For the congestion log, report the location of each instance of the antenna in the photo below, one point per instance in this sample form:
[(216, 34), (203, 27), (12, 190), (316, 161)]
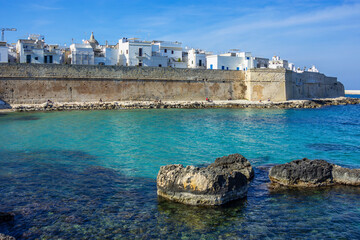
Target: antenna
[(3, 32)]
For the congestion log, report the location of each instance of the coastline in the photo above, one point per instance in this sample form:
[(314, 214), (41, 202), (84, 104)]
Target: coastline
[(118, 105)]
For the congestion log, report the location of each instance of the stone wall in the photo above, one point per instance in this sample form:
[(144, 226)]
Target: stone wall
[(31, 83), (281, 85), (36, 83), (264, 84)]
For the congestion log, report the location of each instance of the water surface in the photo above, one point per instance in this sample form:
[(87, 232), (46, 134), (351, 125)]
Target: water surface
[(91, 174)]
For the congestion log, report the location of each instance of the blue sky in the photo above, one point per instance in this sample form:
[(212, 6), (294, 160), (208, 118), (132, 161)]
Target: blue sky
[(324, 33)]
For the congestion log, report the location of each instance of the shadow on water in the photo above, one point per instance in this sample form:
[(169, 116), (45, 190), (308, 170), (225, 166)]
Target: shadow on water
[(205, 219)]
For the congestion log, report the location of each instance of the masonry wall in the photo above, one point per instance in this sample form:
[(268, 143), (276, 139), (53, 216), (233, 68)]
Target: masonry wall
[(312, 85), (264, 84), (34, 83)]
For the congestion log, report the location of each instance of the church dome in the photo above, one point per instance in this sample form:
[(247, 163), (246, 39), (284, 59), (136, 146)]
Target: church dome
[(92, 40)]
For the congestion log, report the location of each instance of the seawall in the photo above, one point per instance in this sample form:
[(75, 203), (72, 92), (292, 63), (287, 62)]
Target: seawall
[(36, 83)]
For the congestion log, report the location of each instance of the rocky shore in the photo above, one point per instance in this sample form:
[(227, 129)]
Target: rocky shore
[(59, 106)]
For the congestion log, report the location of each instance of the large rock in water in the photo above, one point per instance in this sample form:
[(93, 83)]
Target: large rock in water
[(219, 183), (313, 173)]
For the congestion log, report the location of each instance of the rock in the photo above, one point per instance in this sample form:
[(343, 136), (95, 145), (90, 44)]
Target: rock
[(216, 184), (6, 217), (234, 162), (6, 237), (346, 176), (313, 173), (304, 172)]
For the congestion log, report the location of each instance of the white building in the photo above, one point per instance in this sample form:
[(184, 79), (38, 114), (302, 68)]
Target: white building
[(133, 52), (34, 50), (3, 53), (313, 69), (81, 54), (231, 61), (196, 58), (276, 62), (172, 51), (90, 52)]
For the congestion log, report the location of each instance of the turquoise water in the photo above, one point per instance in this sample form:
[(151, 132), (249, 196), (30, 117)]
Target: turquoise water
[(92, 174)]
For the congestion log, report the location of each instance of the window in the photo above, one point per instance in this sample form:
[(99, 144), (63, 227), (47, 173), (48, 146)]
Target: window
[(238, 68), (248, 58), (172, 51), (165, 50), (121, 52), (192, 62), (127, 51), (227, 68), (140, 52), (36, 58), (223, 68), (159, 65)]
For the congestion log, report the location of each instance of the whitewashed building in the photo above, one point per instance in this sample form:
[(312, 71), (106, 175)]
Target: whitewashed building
[(231, 61), (134, 52), (172, 51), (34, 50), (81, 54), (3, 52), (90, 52), (196, 58)]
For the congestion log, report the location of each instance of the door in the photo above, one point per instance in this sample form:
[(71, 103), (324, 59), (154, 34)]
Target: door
[(140, 52), (200, 63), (28, 58)]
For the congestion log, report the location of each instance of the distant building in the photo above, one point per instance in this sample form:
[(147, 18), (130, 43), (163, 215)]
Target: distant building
[(276, 62), (231, 61), (4, 58), (262, 62), (313, 69), (34, 50), (90, 52), (81, 54), (133, 52), (196, 58)]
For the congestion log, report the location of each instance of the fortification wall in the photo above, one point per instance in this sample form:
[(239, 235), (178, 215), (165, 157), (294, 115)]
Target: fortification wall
[(264, 84), (312, 85), (34, 83), (281, 85)]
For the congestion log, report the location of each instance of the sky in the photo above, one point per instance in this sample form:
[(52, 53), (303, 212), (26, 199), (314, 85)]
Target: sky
[(321, 33)]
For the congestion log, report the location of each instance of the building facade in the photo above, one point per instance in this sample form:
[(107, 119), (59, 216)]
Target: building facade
[(4, 58), (231, 61), (35, 50)]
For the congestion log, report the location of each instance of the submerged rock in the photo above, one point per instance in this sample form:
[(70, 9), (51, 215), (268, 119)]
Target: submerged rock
[(216, 184), (6, 217), (6, 237), (313, 173)]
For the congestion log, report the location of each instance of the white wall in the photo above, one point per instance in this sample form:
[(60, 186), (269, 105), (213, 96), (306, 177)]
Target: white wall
[(82, 54), (194, 59), (4, 54)]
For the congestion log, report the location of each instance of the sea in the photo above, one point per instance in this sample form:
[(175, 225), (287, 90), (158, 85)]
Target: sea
[(92, 174)]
